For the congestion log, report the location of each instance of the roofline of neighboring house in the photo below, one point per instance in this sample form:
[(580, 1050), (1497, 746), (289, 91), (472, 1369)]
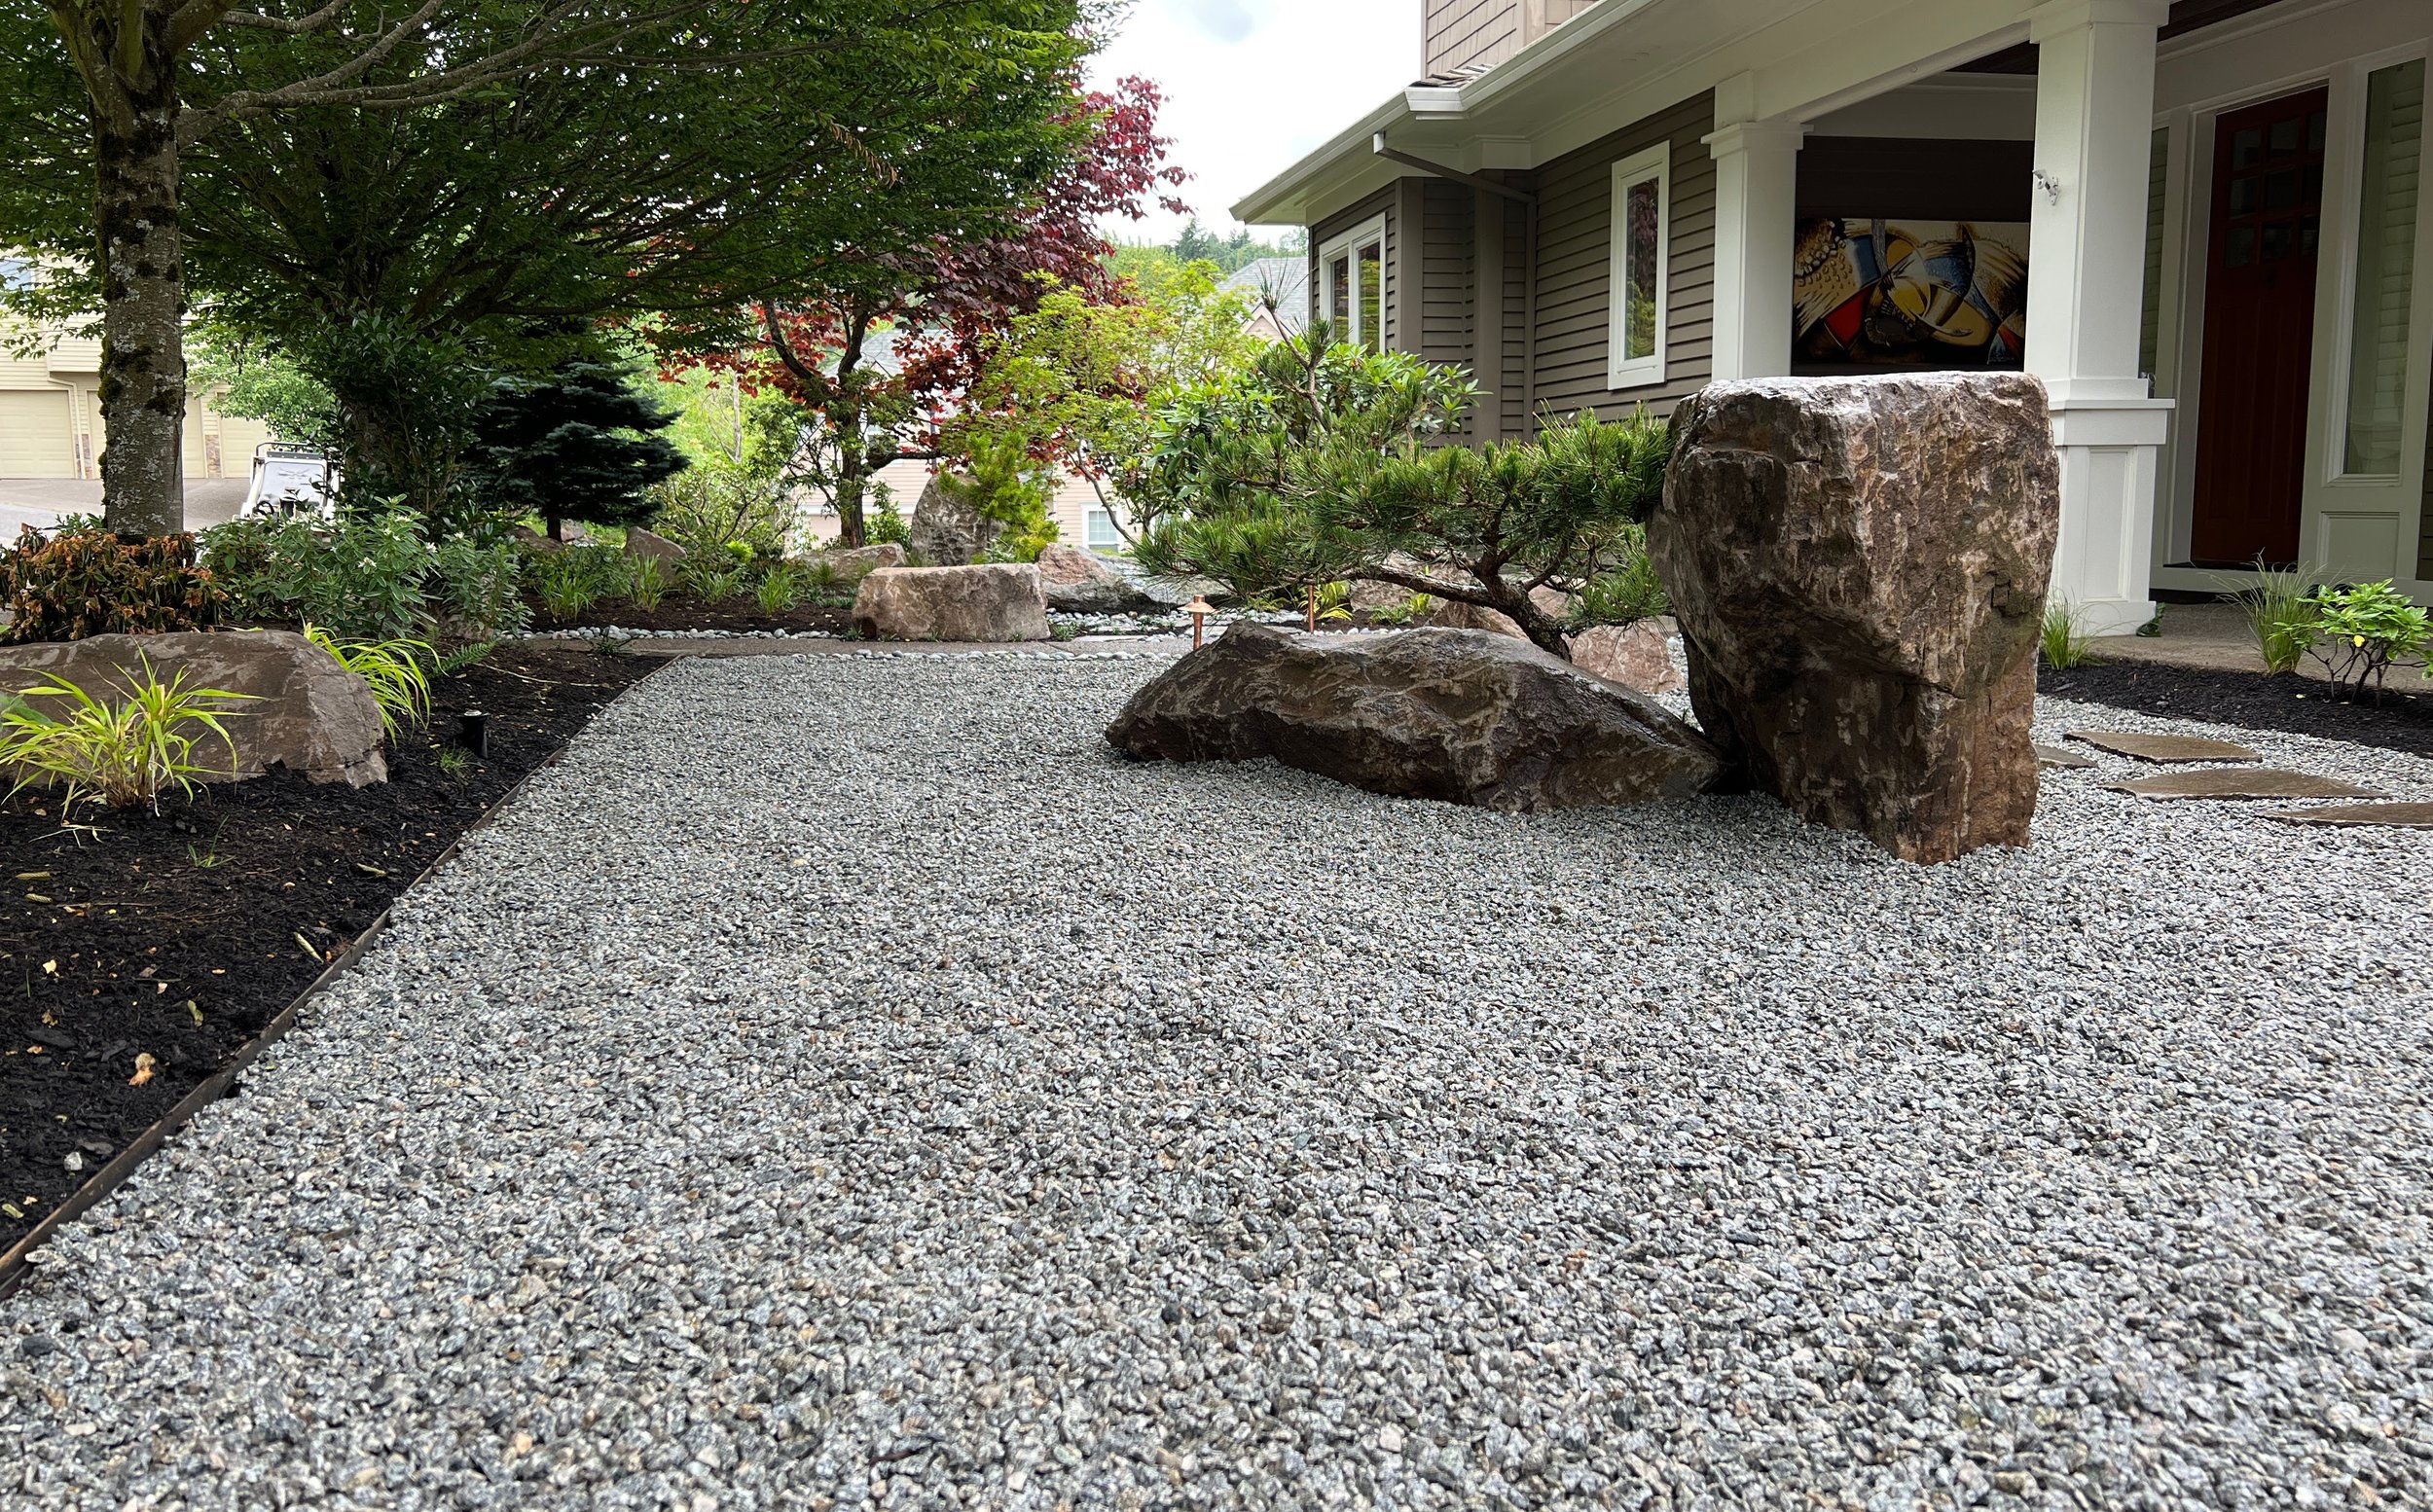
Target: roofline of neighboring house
[(1282, 199)]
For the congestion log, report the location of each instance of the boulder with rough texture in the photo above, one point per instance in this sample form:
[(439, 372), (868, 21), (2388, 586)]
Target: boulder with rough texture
[(1859, 569), (1639, 656), (1079, 582), (990, 601), (1460, 716), (851, 564), (1450, 615), (306, 712), (946, 532), (639, 542), (532, 540)]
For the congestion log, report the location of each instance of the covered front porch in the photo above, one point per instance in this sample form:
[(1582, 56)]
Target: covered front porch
[(2199, 224)]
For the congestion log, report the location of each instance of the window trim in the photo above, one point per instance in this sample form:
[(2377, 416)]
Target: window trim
[(1623, 372), (1348, 245)]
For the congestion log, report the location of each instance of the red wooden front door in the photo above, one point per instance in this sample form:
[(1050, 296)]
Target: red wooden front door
[(2251, 438)]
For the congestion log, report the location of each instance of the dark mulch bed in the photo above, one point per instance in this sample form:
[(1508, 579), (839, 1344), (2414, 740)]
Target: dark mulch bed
[(2251, 700), (740, 615), (176, 935)]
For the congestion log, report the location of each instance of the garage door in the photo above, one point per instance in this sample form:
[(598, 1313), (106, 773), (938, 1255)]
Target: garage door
[(35, 441)]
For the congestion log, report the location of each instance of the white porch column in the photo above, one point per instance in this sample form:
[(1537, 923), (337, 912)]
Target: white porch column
[(1757, 173), (2085, 261)]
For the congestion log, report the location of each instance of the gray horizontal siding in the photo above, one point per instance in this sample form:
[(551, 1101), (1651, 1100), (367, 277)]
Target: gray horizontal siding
[(1382, 203), (1575, 240)]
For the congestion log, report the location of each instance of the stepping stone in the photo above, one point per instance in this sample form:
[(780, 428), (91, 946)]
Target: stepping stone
[(2409, 816), (2248, 782), (2163, 747), (2059, 760)]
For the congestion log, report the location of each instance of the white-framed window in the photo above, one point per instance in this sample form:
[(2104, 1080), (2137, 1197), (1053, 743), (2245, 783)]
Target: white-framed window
[(2385, 272), (1643, 213), (1351, 284), (1098, 529)]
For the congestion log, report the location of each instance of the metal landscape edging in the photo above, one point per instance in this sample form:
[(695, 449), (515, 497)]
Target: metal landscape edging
[(13, 1264)]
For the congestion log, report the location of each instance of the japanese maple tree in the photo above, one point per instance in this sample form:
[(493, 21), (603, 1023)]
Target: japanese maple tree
[(876, 348)]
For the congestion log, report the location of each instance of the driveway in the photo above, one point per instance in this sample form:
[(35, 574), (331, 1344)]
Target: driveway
[(41, 501)]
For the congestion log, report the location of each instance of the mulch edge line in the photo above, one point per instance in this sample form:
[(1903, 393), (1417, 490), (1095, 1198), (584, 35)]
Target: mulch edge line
[(15, 1264)]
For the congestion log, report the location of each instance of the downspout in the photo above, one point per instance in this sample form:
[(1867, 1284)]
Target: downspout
[(1529, 263)]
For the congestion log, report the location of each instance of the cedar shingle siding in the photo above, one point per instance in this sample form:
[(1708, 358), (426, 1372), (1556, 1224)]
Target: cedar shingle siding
[(1465, 33), (1574, 259)]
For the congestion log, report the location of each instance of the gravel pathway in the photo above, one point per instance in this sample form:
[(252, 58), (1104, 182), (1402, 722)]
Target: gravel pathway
[(843, 1082)]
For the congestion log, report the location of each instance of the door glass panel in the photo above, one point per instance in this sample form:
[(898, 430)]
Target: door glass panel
[(2314, 131), (2242, 246), (2276, 242), (2243, 195), (2280, 189), (1640, 224), (1371, 283), (2386, 255), (2248, 149), (2284, 136)]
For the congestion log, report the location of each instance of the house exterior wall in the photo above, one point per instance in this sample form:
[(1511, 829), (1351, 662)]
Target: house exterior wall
[(1388, 203), (1467, 33), (1447, 276), (1574, 261)]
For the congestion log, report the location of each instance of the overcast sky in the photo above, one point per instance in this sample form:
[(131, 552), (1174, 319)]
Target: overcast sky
[(1251, 85)]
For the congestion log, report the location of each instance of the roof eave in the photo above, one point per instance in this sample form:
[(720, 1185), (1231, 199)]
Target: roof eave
[(1282, 200)]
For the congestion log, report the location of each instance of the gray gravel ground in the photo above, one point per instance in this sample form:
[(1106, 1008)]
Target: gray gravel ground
[(842, 1081)]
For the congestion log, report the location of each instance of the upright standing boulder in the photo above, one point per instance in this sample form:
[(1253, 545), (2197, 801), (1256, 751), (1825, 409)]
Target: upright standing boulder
[(300, 712), (992, 602), (641, 543), (1859, 569), (946, 530)]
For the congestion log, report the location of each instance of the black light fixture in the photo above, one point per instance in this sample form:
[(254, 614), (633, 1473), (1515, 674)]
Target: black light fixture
[(472, 732)]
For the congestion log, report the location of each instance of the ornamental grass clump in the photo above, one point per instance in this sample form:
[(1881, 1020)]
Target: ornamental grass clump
[(120, 751), (2278, 604), (2064, 639), (395, 670)]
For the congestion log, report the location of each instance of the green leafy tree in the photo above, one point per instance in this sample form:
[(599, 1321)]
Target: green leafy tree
[(583, 445), (1079, 381), (1009, 492), (112, 98), (1327, 464)]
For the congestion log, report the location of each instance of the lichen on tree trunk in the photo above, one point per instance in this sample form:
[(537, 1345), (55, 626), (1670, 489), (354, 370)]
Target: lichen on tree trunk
[(143, 357)]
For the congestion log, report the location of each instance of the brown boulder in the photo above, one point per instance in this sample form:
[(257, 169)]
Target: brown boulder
[(851, 564), (1077, 582), (1859, 569), (1451, 615), (1639, 656), (990, 601), (947, 530), (306, 713), (1460, 716), (639, 542)]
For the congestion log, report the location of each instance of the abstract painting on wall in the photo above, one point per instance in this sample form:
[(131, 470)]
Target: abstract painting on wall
[(1870, 295)]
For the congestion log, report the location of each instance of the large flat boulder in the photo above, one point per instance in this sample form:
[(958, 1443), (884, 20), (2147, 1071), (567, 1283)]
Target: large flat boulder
[(1079, 582), (307, 713), (990, 601), (1859, 569), (851, 564), (1463, 716)]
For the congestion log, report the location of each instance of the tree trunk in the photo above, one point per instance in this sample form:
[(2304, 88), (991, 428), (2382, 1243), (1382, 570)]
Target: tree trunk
[(853, 476), (143, 290)]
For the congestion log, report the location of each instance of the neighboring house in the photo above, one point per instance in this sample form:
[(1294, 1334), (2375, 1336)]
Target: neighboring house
[(2197, 222), (51, 408), (1279, 289)]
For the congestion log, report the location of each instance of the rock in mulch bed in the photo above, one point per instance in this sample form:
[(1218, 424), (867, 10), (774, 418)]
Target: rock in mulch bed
[(178, 936), (844, 1080), (2249, 701)]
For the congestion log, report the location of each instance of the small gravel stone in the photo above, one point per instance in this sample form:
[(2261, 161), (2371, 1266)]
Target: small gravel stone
[(842, 1081)]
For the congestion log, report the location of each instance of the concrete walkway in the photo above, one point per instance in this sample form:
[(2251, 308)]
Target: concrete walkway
[(2212, 637)]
